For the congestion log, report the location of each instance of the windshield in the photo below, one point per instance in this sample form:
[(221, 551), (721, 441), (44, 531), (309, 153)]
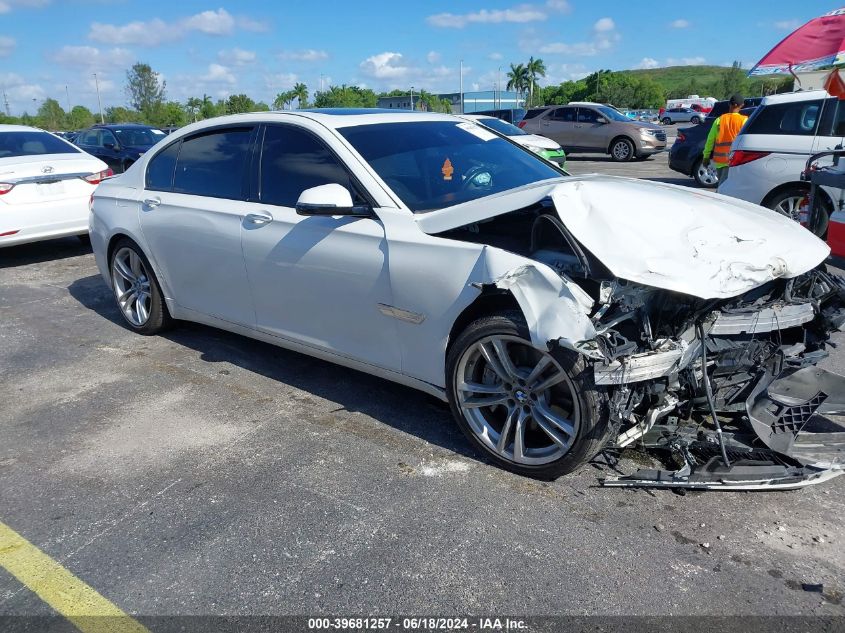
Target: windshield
[(502, 127), (26, 143), (138, 136), (612, 115), (436, 164)]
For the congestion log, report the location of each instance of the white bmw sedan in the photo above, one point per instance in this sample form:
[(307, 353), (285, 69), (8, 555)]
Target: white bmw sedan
[(553, 313), (45, 185)]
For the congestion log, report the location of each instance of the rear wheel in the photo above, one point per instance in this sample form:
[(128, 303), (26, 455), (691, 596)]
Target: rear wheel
[(706, 177), (532, 412), (790, 202), (136, 289), (695, 120), (666, 121), (622, 150)]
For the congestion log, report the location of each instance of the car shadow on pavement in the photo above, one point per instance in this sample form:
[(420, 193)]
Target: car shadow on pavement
[(403, 408), (38, 252)]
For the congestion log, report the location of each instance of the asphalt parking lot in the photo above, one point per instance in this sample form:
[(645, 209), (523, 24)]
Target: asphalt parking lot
[(204, 473)]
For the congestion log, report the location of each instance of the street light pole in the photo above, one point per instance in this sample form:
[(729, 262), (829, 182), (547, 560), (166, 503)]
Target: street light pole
[(499, 84), (67, 94), (99, 103), (412, 98), (462, 86)]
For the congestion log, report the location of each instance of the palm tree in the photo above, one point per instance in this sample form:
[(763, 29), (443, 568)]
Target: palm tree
[(517, 78), (534, 69), (193, 105), (283, 99), (300, 92)]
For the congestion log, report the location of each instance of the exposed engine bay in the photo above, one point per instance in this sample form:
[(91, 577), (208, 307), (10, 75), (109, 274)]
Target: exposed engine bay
[(727, 388)]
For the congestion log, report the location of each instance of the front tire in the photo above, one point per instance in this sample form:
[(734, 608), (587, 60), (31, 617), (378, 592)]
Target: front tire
[(622, 150), (532, 412), (136, 289), (695, 120), (666, 121)]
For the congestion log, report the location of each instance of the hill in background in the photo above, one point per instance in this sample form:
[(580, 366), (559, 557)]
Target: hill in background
[(706, 81)]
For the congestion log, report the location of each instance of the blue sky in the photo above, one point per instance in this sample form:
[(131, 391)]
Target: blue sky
[(261, 48)]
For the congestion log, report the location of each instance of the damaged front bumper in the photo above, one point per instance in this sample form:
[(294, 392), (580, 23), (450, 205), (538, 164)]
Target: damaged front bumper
[(786, 418)]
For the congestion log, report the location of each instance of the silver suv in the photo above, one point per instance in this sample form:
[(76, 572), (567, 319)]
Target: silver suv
[(593, 127)]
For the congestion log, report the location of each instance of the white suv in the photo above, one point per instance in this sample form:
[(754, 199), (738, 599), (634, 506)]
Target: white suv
[(771, 151)]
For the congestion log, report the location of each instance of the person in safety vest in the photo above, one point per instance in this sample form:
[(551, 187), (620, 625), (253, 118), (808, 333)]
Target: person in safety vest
[(723, 132)]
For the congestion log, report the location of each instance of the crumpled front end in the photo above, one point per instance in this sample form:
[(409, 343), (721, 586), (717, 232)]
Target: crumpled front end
[(755, 354)]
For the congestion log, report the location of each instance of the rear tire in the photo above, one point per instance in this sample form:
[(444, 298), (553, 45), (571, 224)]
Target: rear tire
[(695, 120), (136, 289), (787, 203), (666, 121), (546, 399), (705, 178)]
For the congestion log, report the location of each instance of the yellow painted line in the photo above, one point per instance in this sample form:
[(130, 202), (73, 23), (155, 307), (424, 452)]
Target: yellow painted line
[(68, 595)]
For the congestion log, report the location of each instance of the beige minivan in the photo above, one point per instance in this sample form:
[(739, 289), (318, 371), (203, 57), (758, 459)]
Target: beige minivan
[(594, 127)]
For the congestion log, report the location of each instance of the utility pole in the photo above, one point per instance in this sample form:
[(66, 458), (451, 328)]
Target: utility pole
[(321, 82), (412, 98), (462, 86), (6, 102), (67, 94), (499, 84), (100, 103)]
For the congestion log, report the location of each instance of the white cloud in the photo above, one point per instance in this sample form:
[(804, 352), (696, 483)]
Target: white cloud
[(433, 57), (217, 73), (236, 56), (156, 31), (307, 55), (603, 25), (7, 45), (93, 58), (391, 70), (648, 62), (7, 5), (385, 66), (685, 61), (604, 36), (218, 22), (20, 93), (680, 23), (495, 57), (787, 25), (519, 14)]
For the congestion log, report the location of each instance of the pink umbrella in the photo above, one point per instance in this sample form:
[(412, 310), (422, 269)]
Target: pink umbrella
[(819, 43)]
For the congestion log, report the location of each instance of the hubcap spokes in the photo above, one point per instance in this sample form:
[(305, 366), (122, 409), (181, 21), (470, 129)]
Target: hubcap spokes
[(789, 207), (518, 401), (131, 286)]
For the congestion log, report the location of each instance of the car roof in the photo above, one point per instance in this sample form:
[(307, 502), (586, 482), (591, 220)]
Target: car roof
[(791, 97), (123, 125), (8, 127)]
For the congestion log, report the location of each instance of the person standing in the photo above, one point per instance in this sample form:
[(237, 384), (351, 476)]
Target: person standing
[(722, 133)]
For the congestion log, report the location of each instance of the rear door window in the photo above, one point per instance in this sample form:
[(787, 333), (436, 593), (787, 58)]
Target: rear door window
[(564, 114), (795, 119), (90, 138), (214, 163), (586, 115), (162, 167)]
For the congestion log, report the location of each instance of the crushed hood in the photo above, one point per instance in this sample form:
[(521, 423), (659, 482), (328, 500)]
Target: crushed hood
[(665, 236)]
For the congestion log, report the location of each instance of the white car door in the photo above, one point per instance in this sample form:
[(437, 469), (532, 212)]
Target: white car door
[(320, 280), (191, 212)]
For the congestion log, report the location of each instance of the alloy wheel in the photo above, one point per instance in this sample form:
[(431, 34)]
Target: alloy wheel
[(707, 176), (131, 283), (621, 150), (790, 207), (518, 401)]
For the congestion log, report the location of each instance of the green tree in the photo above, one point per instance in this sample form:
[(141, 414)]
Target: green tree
[(50, 115), (300, 93), (733, 80), (119, 114), (260, 106), (534, 69), (192, 106), (144, 88), (518, 78), (168, 114), (208, 109), (237, 104), (345, 97), (282, 100), (79, 117)]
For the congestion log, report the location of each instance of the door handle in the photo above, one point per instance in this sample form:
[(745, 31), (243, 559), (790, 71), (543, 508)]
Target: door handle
[(152, 202), (259, 218)]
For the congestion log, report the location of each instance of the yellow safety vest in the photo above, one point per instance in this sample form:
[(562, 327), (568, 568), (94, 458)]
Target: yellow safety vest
[(729, 126)]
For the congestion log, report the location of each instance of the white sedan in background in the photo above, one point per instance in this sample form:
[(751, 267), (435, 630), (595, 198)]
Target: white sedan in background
[(45, 185), (540, 145), (553, 313)]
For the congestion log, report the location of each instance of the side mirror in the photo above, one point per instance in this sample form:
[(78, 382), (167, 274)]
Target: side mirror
[(111, 146), (331, 199), (601, 120)]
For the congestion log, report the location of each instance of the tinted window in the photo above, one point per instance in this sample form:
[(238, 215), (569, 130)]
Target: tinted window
[(161, 168), (26, 143), (212, 164), (798, 118), (438, 164), (534, 112), (585, 115), (139, 136), (107, 137), (293, 160), (564, 114), (502, 127), (90, 137)]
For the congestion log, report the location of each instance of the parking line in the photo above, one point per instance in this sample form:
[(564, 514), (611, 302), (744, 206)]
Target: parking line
[(68, 595)]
